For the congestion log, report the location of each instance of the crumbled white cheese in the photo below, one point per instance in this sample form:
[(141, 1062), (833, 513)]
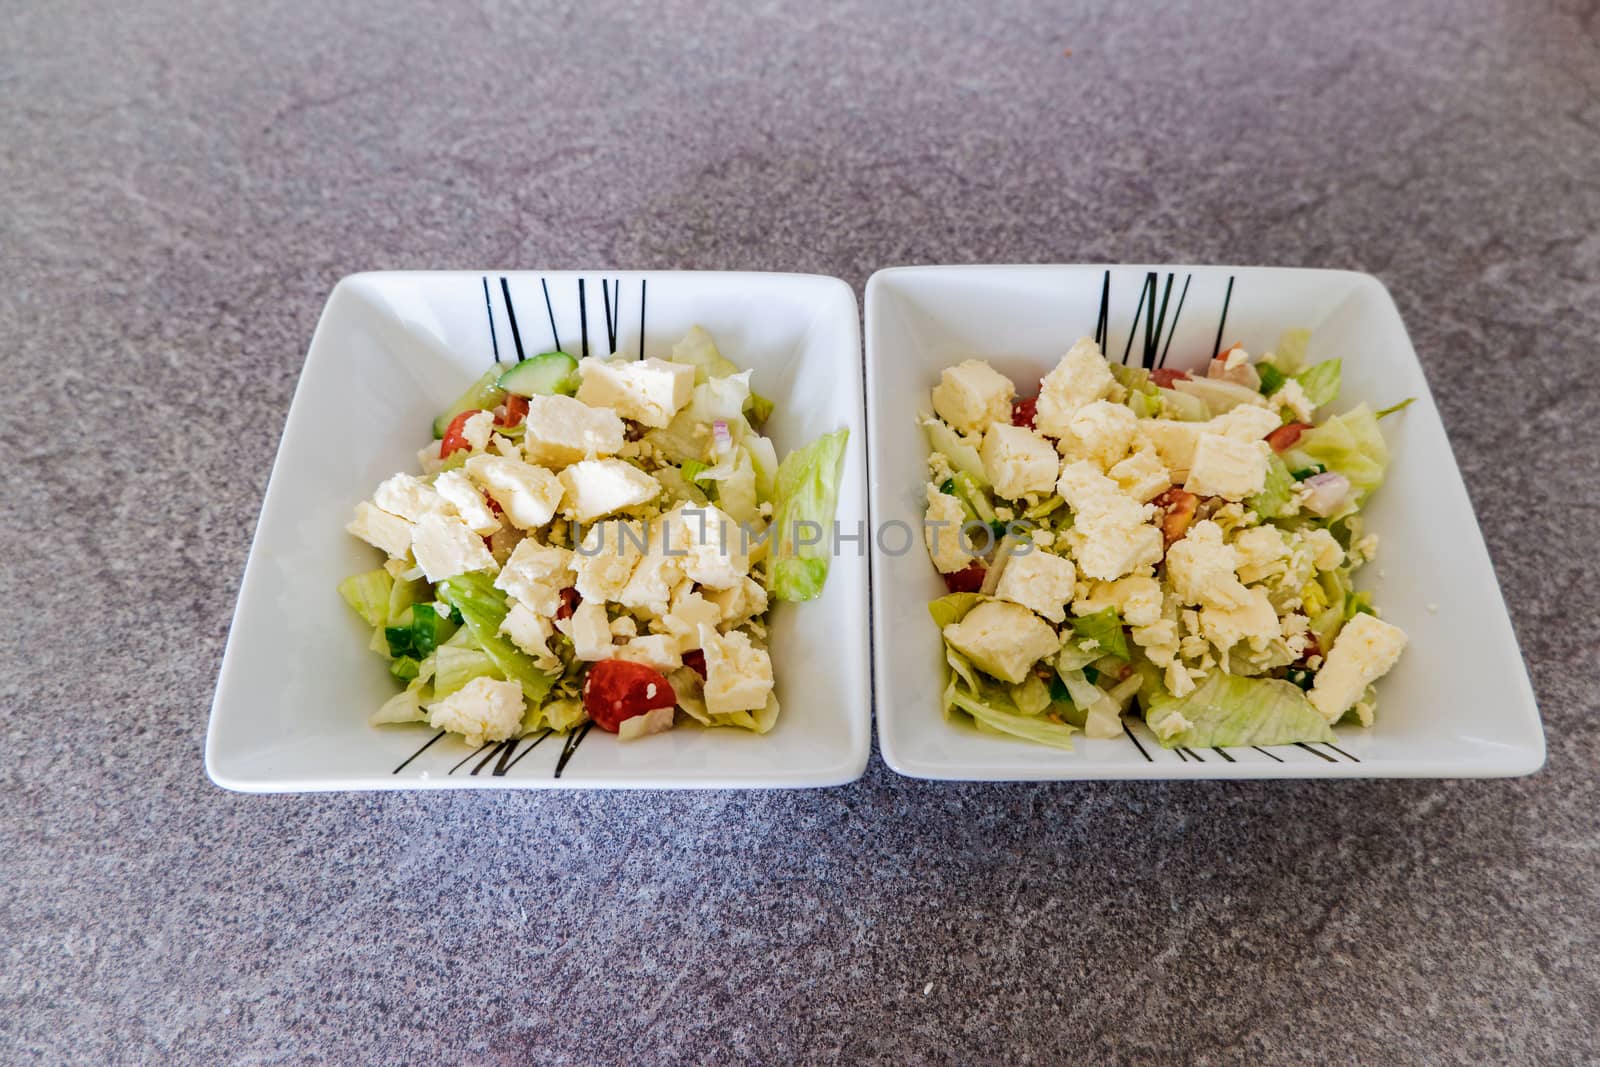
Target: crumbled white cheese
[(648, 391), (483, 710), (972, 395), (1362, 653), (1003, 639), (1110, 535), (1038, 581), (1080, 378), (1018, 461), (444, 547)]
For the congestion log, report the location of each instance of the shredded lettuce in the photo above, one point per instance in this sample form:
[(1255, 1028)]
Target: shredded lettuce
[(963, 457), (699, 350), (456, 665), (1227, 710), (952, 607), (403, 707), (1181, 407), (1321, 382), (1277, 492), (998, 718), (1272, 378), (1105, 628), (807, 494), (368, 595), (483, 607), (561, 715), (717, 399), (1290, 355), (1348, 444), (418, 636)]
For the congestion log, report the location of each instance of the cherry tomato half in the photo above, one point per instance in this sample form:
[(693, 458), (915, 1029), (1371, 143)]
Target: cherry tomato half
[(512, 411), (1023, 412), (967, 580), (1164, 377), (1284, 437), (618, 689), (454, 439)]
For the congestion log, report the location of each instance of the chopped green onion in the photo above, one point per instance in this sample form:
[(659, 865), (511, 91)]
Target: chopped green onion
[(1272, 378), (1392, 408)]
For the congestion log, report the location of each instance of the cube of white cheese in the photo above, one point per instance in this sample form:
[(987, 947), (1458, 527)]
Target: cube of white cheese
[(1110, 535), (1038, 581), (739, 603), (659, 651), (655, 574), (1227, 467), (528, 495), (1291, 395), (941, 528), (1080, 378), (589, 630), (531, 632), (606, 557), (1261, 550), (1244, 423), (1254, 620), (535, 574), (563, 429), (715, 552), (1326, 553), (1100, 432), (1137, 599), (972, 395), (1142, 475), (483, 710), (648, 391), (1173, 441), (596, 488), (1003, 639), (380, 529), (1018, 461), (738, 674), (690, 611), (444, 547), (477, 429), (409, 497), (1362, 653), (459, 492), (1201, 569)]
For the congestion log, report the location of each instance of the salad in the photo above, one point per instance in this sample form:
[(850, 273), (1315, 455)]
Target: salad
[(594, 540), (1135, 541)]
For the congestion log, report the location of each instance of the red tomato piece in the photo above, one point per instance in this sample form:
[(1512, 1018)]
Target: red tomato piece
[(1178, 507), (1164, 377), (1285, 437), (695, 660), (618, 689), (1023, 412), (512, 411), (454, 440), (569, 602), (967, 580)]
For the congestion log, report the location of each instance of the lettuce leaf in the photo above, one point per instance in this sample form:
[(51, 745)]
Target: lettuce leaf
[(1277, 491), (1227, 710), (1104, 627), (1321, 382), (368, 595), (952, 607), (456, 665), (1349, 444), (1290, 355), (807, 494), (483, 608), (963, 457), (1000, 720), (699, 350)]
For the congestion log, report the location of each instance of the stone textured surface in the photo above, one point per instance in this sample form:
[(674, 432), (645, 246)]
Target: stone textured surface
[(180, 186)]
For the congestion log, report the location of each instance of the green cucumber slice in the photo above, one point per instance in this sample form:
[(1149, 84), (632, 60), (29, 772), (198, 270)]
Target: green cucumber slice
[(546, 374), (482, 394)]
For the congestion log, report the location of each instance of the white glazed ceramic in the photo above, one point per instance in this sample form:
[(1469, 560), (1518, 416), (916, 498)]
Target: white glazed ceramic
[(1458, 704), (390, 352)]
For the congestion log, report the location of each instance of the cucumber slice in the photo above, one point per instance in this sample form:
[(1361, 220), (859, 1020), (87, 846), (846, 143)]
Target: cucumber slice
[(482, 394), (546, 374)]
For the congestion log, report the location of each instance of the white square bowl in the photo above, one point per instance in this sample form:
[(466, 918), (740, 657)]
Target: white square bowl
[(1458, 704), (390, 352)]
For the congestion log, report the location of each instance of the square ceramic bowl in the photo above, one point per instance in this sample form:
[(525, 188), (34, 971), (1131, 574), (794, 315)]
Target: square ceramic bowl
[(1457, 705), (390, 352)]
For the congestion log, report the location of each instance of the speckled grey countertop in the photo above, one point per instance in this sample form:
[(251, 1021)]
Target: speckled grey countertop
[(180, 186)]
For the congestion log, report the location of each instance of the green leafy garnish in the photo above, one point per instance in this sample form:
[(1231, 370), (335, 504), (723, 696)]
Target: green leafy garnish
[(1105, 628), (1272, 378), (416, 639)]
